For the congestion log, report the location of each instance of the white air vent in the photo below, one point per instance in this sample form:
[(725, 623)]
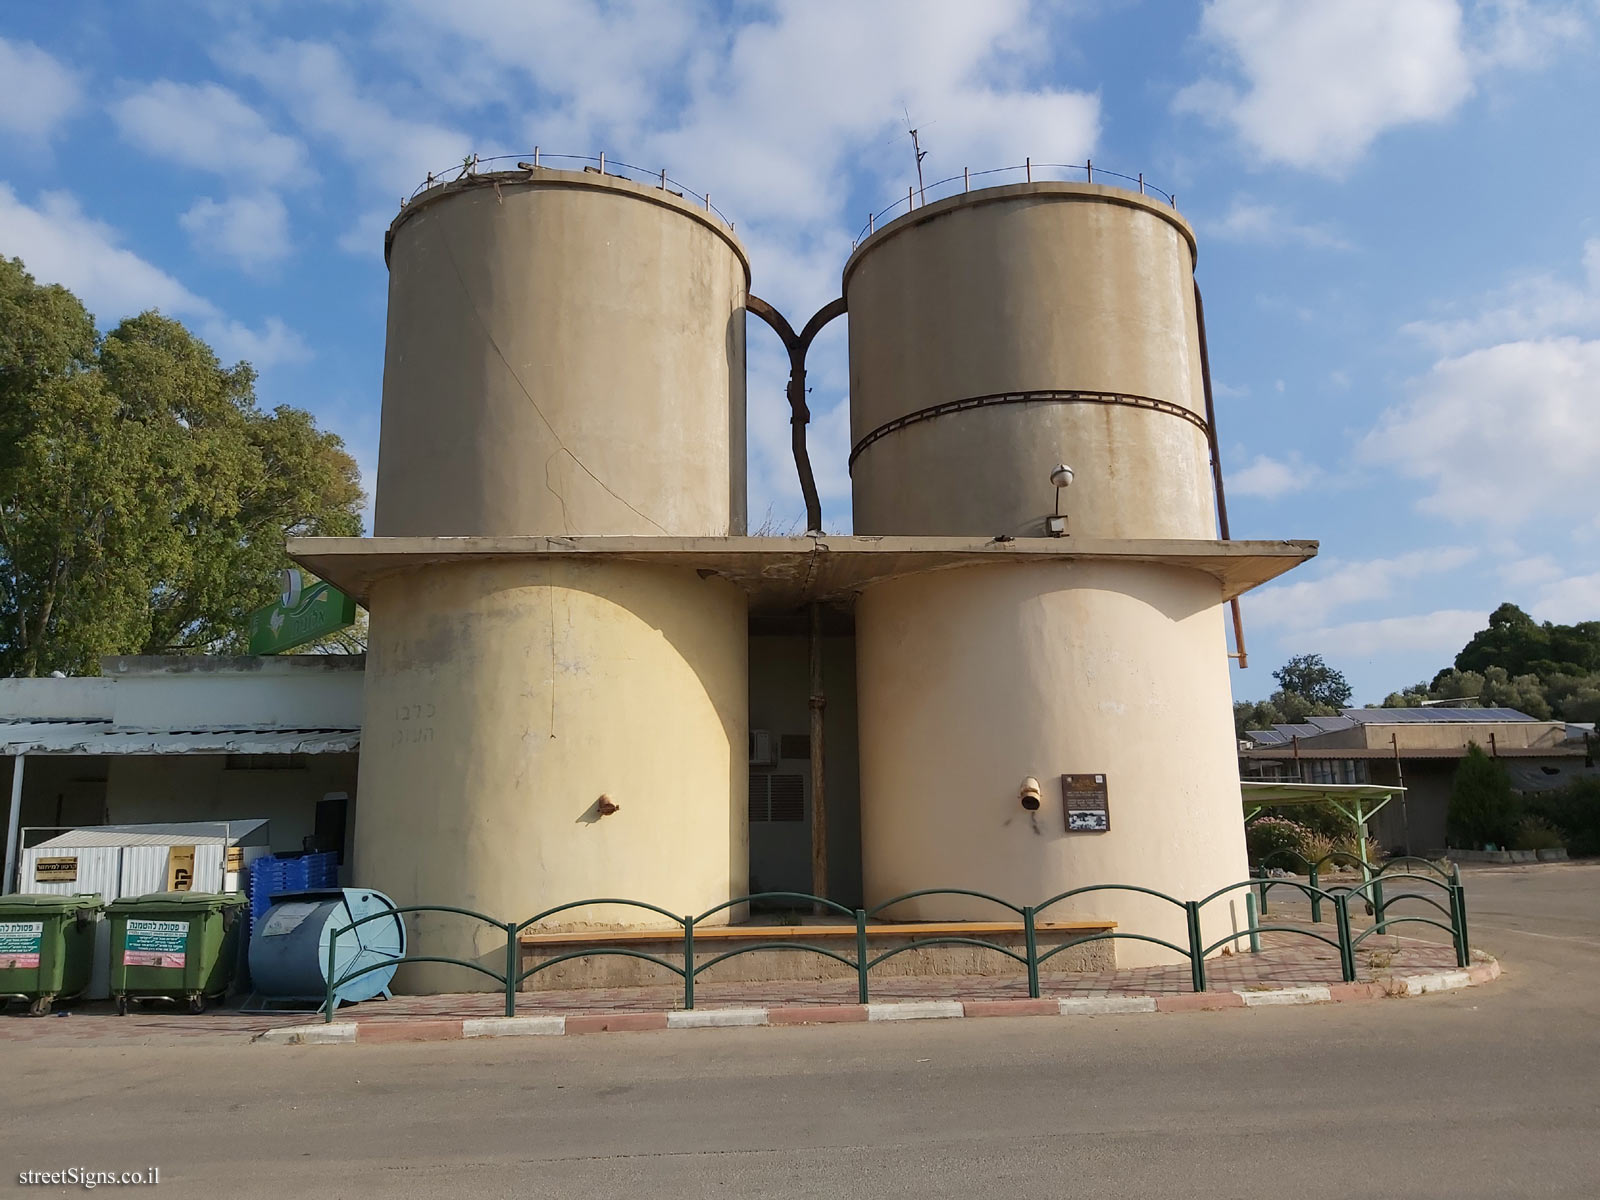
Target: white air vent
[(763, 748)]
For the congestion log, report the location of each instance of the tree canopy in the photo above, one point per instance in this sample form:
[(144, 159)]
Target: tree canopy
[(1307, 687), (1545, 670), (144, 497)]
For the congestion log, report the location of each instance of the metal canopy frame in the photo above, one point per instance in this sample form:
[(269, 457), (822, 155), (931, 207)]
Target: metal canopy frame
[(1358, 803)]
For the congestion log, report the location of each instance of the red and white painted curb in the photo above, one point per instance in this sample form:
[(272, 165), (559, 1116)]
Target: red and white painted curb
[(441, 1030)]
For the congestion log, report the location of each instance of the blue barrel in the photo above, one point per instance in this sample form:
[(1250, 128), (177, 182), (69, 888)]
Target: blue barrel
[(289, 947)]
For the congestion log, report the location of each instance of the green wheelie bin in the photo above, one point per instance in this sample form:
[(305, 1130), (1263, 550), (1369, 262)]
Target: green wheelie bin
[(179, 946), (46, 947)]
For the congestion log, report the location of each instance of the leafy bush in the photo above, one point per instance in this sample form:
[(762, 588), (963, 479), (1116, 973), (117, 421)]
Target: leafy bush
[(1574, 812), (1268, 835), (1483, 808), (1537, 834)]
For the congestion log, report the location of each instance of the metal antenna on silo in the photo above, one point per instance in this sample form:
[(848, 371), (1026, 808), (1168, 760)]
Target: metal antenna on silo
[(916, 148)]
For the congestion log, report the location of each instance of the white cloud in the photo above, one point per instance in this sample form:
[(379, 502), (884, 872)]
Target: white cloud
[(272, 344), (60, 243), (1444, 631), (366, 235), (1524, 35), (1308, 603), (1270, 477), (1269, 225), (1532, 306), (1566, 601), (1312, 85), (253, 231), (210, 128), (40, 93), (1500, 436), (1319, 82), (316, 83), (1534, 570)]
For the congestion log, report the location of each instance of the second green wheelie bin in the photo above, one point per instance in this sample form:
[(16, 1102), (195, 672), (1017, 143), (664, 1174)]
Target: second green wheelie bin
[(174, 945), (46, 947)]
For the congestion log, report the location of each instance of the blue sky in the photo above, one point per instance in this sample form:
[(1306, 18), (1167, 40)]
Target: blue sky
[(1395, 201)]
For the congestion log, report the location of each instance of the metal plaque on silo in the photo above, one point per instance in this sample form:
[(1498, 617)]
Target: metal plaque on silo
[(1087, 806)]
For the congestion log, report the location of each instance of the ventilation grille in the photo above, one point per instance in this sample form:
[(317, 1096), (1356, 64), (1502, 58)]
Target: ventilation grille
[(777, 798)]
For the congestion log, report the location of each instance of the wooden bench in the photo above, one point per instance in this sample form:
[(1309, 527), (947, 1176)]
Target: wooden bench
[(589, 968)]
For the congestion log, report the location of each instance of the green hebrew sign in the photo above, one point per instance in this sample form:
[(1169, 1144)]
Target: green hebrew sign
[(302, 614)]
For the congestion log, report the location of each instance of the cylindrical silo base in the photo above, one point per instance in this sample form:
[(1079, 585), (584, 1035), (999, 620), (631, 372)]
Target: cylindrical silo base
[(972, 680), (503, 700)]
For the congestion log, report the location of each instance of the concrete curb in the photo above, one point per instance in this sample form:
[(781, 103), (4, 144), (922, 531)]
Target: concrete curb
[(1482, 971)]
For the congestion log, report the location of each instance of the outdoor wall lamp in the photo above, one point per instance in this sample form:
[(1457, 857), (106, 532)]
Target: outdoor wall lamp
[(1061, 479), (1030, 794)]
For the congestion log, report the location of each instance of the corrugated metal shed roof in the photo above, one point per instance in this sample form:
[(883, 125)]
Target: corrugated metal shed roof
[(101, 737), (1267, 737), (189, 833), (1435, 716), (1286, 754)]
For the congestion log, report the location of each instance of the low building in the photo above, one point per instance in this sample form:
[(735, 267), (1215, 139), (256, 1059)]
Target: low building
[(1418, 749), (187, 738)]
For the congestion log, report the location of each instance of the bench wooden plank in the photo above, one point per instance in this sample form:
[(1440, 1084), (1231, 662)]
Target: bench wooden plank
[(776, 933)]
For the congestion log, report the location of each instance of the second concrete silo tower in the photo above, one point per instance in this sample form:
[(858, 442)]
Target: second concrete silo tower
[(993, 335)]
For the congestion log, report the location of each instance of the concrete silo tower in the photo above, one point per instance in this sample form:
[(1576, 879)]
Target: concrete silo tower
[(565, 357), (994, 335)]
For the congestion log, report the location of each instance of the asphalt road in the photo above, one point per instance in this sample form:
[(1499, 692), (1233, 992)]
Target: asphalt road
[(1492, 1092)]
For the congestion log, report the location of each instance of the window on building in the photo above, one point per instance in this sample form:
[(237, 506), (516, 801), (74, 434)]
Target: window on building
[(1336, 770), (777, 797)]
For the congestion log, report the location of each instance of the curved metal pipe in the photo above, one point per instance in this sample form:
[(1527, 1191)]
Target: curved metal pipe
[(797, 345), (799, 415), (1216, 466)]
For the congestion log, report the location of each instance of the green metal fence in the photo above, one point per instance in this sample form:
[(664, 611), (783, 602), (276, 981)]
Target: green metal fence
[(1194, 950)]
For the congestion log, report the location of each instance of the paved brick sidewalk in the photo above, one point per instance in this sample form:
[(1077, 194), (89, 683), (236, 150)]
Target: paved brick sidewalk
[(1287, 961)]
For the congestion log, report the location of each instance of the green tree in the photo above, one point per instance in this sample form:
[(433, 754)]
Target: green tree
[(144, 497), (1313, 681), (1483, 808)]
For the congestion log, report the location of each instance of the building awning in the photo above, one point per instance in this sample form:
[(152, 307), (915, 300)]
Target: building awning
[(101, 737)]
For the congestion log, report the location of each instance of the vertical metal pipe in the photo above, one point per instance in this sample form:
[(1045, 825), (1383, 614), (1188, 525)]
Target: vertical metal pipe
[(663, 179), (1028, 166), (1316, 900), (688, 962), (536, 156), (1250, 920), (602, 162), (819, 801), (8, 881), (512, 966), (1216, 465), (861, 956), (966, 179), (1030, 931), (1197, 959), (333, 951), (1088, 168), (1347, 953)]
